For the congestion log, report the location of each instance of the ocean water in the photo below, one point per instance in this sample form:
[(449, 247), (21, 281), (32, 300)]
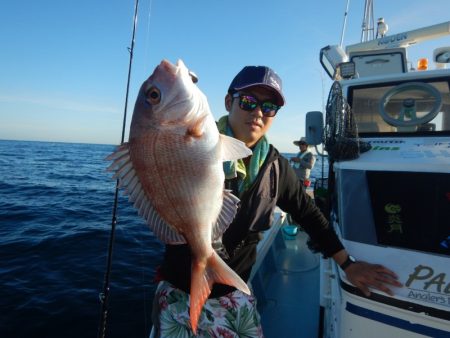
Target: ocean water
[(56, 202)]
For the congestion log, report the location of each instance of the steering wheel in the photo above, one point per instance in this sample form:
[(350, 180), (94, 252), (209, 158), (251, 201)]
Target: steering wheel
[(408, 109)]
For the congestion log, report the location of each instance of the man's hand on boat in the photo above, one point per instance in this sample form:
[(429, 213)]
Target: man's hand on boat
[(365, 275)]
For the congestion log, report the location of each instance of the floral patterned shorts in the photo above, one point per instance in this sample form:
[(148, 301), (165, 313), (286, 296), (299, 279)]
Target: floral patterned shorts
[(232, 315)]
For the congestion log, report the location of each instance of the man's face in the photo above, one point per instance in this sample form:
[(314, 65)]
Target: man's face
[(303, 147), (249, 126)]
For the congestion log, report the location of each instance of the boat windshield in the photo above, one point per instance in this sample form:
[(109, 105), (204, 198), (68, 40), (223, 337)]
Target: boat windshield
[(372, 104)]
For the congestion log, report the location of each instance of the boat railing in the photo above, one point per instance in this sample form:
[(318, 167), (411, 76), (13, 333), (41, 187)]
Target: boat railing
[(265, 245), (266, 260)]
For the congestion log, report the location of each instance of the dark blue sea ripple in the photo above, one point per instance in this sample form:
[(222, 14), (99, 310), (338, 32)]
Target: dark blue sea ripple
[(56, 202)]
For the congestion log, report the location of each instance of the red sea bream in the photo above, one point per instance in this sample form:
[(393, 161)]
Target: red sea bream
[(171, 168)]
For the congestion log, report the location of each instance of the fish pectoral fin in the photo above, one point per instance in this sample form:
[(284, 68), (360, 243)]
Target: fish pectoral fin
[(202, 279), (233, 149), (196, 129)]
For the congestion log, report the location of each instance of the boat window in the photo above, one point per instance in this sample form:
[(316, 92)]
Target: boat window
[(411, 210), (365, 103), (400, 209)]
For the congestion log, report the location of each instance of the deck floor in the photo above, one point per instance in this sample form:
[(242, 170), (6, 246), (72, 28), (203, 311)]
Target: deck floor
[(292, 297)]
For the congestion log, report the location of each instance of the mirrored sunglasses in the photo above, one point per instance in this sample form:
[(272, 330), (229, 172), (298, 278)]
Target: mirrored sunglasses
[(249, 103)]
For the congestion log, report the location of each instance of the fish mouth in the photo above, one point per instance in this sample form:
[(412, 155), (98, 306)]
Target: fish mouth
[(169, 67), (173, 69)]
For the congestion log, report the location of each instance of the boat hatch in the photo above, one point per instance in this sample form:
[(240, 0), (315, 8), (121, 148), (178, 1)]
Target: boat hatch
[(377, 108), (369, 63)]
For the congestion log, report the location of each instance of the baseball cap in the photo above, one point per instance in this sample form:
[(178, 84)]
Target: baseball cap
[(251, 76)]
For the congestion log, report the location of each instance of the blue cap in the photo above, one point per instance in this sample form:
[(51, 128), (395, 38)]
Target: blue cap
[(251, 76)]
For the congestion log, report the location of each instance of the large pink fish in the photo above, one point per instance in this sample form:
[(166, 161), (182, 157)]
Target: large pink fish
[(172, 170)]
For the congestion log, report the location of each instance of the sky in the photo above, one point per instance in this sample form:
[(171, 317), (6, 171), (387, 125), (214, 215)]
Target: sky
[(64, 64)]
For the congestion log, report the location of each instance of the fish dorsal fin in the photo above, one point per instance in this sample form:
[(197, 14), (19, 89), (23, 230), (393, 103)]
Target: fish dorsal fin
[(233, 149), (226, 216), (122, 167)]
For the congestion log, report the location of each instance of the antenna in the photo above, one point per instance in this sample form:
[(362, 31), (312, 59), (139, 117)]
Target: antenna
[(368, 22), (345, 23)]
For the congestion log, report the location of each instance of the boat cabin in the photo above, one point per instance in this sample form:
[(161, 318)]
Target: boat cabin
[(390, 201)]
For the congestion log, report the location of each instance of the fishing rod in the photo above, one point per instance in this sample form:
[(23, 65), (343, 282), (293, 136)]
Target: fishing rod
[(104, 296)]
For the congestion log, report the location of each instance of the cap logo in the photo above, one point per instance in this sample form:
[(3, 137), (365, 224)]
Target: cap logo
[(274, 83)]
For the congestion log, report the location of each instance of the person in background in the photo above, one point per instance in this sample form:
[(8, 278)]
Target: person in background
[(304, 162), (262, 181)]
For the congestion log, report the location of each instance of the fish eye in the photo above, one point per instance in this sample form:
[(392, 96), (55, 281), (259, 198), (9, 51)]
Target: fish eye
[(153, 95)]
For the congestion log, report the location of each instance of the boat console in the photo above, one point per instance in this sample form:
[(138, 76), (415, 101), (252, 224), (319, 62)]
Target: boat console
[(391, 203), (393, 208)]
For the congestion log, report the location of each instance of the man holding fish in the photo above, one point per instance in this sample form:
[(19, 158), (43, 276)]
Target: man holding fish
[(173, 167)]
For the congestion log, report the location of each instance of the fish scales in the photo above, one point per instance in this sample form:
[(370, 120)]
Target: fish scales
[(177, 200), (171, 168)]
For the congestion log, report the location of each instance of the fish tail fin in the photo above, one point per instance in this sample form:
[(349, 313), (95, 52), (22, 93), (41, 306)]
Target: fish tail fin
[(219, 272), (200, 290), (202, 279)]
